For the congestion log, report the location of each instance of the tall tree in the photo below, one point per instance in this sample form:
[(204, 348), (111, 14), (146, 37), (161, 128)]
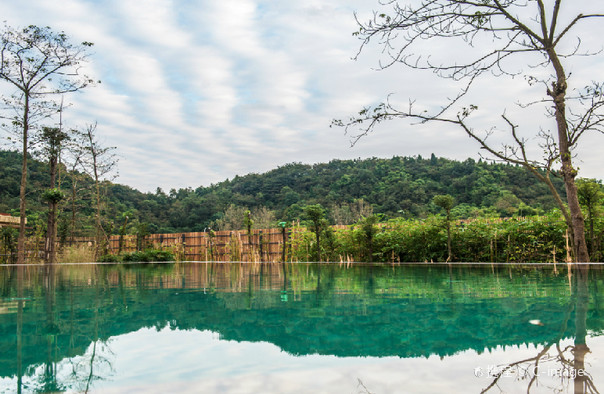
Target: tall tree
[(39, 64), (99, 162), (75, 155), (316, 223), (494, 37), (52, 139)]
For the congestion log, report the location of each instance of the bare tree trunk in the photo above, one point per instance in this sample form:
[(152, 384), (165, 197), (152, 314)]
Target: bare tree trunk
[(51, 233), (449, 249), (577, 224), (23, 187), (73, 211), (99, 227), (51, 230), (318, 236)]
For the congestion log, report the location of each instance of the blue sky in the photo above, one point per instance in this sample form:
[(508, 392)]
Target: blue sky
[(197, 91)]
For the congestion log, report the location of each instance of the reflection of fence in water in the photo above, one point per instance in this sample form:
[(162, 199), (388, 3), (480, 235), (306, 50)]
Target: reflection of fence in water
[(211, 277)]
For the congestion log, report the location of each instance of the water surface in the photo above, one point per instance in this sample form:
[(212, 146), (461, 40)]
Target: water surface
[(321, 328)]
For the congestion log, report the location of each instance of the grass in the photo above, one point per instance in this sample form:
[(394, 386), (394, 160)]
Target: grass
[(76, 254)]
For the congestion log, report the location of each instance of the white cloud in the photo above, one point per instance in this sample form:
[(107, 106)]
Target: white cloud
[(195, 92), (210, 75), (152, 21)]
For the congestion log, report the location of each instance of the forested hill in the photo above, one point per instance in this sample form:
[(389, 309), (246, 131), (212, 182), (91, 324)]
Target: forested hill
[(400, 186)]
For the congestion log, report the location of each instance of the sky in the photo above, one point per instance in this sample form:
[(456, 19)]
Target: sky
[(194, 92)]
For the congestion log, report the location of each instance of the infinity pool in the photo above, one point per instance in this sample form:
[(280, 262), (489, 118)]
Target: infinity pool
[(301, 328)]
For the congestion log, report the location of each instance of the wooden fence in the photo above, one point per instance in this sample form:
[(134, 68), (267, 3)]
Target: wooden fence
[(261, 245)]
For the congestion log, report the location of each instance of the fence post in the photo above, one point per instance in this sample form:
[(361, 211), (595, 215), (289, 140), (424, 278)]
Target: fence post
[(289, 244), (260, 245), (282, 225)]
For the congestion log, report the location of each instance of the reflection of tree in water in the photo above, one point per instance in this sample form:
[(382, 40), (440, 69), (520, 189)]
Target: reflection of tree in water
[(47, 381), (565, 363), (95, 360), (93, 365)]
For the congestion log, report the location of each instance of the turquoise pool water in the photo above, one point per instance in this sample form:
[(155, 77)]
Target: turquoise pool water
[(301, 328)]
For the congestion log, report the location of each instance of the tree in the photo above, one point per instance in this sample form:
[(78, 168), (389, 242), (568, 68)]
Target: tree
[(347, 213), (447, 203), (494, 36), (75, 154), (39, 64), (52, 139), (125, 216), (249, 223), (98, 162), (317, 223), (8, 245), (233, 218), (368, 230), (263, 218)]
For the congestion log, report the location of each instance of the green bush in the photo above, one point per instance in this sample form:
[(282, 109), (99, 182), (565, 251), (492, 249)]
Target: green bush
[(519, 240), (149, 256), (109, 258)]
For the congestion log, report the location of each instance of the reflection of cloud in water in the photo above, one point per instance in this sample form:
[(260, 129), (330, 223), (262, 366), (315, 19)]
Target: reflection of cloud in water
[(151, 361)]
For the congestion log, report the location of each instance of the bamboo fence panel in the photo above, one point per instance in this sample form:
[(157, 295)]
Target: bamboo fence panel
[(262, 245)]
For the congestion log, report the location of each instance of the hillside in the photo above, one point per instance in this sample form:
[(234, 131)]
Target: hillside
[(400, 186)]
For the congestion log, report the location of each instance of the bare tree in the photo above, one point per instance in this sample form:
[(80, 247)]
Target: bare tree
[(98, 162), (494, 37), (75, 153), (39, 64)]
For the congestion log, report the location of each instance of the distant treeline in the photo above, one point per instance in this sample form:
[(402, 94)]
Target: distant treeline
[(348, 189)]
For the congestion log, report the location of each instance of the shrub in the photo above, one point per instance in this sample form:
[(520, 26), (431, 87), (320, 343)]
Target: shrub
[(148, 256), (109, 258)]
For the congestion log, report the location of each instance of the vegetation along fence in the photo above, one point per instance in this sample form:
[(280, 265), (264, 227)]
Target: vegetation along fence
[(269, 245), (521, 239)]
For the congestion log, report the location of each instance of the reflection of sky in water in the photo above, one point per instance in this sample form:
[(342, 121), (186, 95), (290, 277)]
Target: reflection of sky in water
[(177, 361)]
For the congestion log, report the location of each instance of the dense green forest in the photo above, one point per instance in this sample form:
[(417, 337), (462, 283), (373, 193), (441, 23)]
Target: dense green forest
[(348, 189)]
